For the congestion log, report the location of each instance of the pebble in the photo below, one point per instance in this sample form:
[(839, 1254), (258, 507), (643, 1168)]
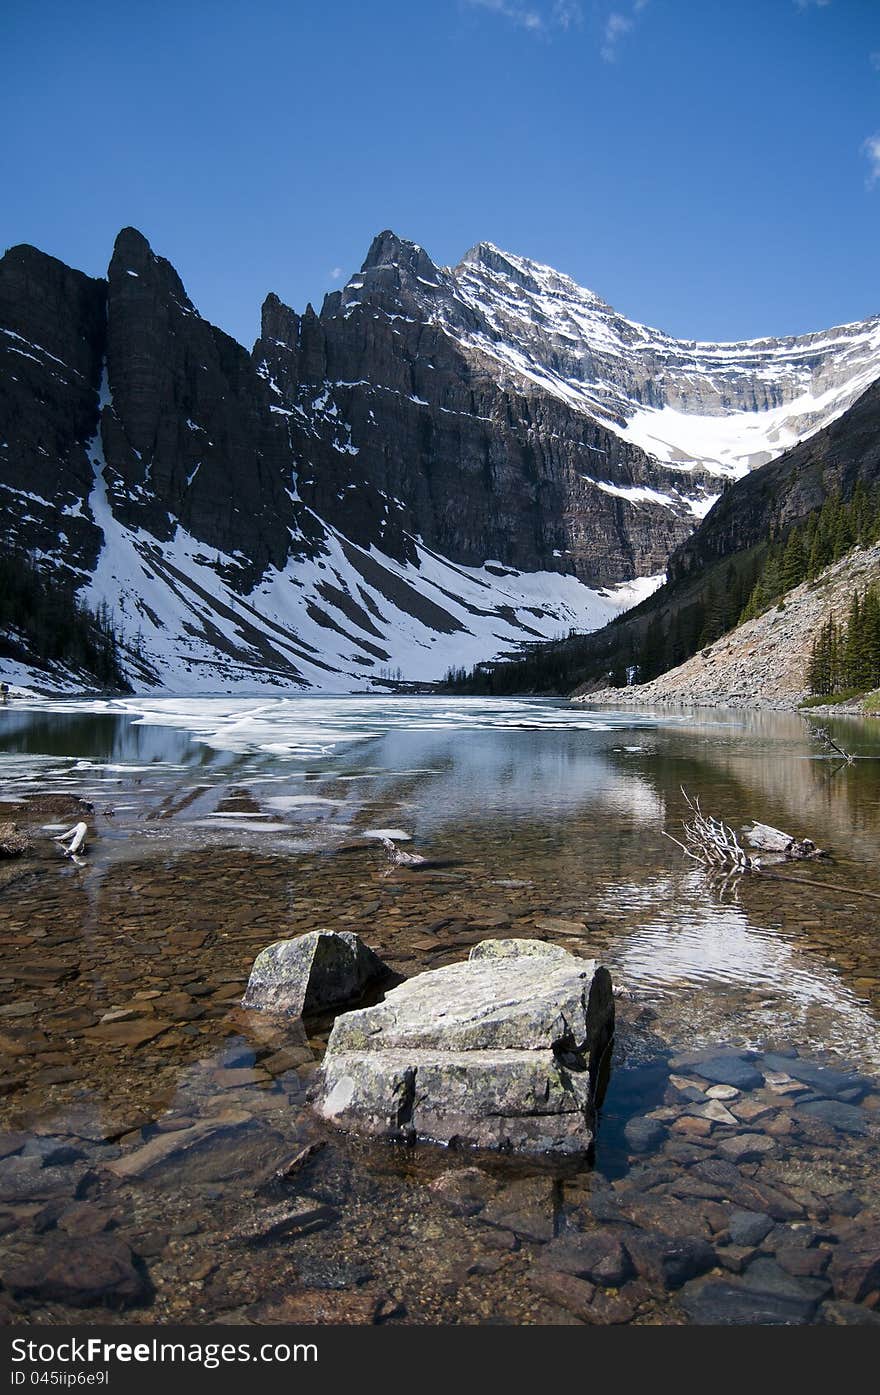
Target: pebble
[(722, 1092)]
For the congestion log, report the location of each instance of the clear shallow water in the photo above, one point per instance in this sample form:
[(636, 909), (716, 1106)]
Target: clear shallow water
[(222, 825)]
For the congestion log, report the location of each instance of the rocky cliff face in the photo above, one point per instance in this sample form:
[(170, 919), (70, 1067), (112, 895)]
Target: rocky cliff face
[(393, 388), (188, 435), (441, 464), (51, 353)]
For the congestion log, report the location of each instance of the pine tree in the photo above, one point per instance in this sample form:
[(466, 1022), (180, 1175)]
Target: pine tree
[(843, 537), (823, 666), (794, 563), (871, 624), (714, 617), (852, 645), (860, 514)]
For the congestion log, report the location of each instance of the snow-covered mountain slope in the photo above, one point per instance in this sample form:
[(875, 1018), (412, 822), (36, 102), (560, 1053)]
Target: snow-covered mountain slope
[(725, 408), (442, 465), (349, 618)]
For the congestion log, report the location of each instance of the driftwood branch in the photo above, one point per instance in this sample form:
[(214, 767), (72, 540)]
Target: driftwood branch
[(715, 845), (73, 840), (812, 883), (712, 842), (823, 735), (401, 858), (398, 858)]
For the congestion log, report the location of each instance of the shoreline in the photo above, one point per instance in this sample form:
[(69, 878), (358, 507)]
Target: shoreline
[(623, 697)]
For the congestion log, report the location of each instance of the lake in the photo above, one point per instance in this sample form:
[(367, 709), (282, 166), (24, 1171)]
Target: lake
[(220, 825)]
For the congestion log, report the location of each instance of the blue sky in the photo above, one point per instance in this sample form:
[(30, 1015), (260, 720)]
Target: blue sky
[(711, 167)]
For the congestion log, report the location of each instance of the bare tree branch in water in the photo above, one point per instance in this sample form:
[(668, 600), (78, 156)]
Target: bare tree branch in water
[(823, 735), (712, 842)]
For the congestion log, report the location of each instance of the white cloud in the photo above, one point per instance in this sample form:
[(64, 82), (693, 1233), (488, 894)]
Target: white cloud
[(538, 18), (336, 273), (871, 151), (874, 60), (519, 15), (567, 13), (616, 25), (812, 4)]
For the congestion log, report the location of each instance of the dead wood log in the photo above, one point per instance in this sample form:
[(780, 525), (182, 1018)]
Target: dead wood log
[(773, 840), (73, 840)]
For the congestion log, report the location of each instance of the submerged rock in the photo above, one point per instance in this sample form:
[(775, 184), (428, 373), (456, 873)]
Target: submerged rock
[(13, 842), (312, 972), (506, 949), (80, 1273), (644, 1135), (499, 1052), (597, 1255)]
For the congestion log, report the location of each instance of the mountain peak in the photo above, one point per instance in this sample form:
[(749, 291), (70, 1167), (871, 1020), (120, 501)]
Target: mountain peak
[(523, 271), (132, 247), (388, 250)]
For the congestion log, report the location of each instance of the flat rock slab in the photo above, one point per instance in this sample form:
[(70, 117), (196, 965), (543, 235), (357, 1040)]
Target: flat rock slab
[(169, 1145), (312, 972), (825, 1080), (499, 1052), (729, 1070), (848, 1118), (598, 1256), (81, 1273), (27, 1179), (723, 1303), (129, 1033)]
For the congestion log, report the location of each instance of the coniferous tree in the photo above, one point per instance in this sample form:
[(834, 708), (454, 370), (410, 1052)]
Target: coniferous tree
[(794, 563)]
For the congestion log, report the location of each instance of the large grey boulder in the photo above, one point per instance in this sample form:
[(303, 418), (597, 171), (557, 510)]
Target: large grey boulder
[(502, 1052), (312, 972)]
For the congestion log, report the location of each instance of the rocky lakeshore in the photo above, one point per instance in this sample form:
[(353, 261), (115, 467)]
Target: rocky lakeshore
[(762, 664)]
